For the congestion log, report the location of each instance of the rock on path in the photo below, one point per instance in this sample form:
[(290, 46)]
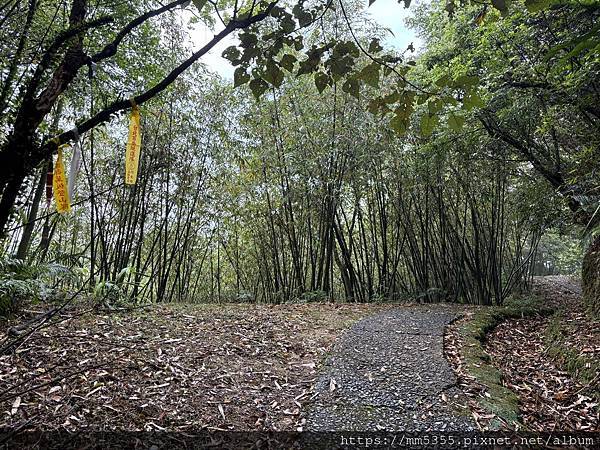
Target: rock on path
[(388, 373)]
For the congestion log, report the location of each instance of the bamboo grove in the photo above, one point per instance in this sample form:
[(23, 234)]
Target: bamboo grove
[(307, 196)]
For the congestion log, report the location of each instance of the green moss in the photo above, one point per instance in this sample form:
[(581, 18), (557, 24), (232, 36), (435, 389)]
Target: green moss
[(501, 401), (583, 368)]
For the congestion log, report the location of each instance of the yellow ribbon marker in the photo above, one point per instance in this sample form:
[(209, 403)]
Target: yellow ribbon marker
[(134, 143), (59, 184)]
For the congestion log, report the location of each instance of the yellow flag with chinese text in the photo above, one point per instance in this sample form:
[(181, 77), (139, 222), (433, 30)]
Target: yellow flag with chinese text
[(134, 143), (59, 184)]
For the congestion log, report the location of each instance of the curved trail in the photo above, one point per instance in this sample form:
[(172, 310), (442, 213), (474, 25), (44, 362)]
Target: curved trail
[(388, 373)]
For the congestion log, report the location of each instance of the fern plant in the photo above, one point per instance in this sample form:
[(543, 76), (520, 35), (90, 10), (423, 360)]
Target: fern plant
[(21, 282)]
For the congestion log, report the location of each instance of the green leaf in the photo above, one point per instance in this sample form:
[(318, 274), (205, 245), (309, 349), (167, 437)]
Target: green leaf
[(344, 48), (258, 87), (248, 40), (303, 16), (273, 74), (240, 76), (434, 106), (375, 46), (299, 43), (278, 11), (466, 80), (231, 53), (455, 122), (501, 5), (199, 4), (575, 42), (287, 24), (376, 105), (472, 100), (428, 123), (287, 62), (537, 5), (370, 74), (352, 87), (442, 81), (309, 65), (399, 124), (340, 66), (321, 81)]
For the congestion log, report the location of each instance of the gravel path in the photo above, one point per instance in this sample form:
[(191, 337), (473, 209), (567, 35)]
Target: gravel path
[(388, 372)]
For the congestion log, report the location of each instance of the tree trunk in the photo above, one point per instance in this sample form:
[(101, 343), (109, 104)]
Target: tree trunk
[(11, 186), (590, 277), (25, 242)]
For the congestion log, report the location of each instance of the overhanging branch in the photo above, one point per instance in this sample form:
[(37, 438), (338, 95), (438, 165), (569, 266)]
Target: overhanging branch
[(111, 48), (121, 105)]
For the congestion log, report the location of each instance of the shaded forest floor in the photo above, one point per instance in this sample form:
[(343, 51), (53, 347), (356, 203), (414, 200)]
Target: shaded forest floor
[(552, 362), (217, 367), (532, 365), (255, 367)]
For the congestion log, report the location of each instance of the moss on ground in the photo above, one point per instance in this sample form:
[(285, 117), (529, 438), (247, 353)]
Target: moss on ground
[(501, 401), (583, 368)]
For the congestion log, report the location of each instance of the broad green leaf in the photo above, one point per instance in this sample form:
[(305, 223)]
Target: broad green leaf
[(199, 4), (472, 100), (345, 48), (303, 16), (376, 105), (537, 5), (352, 87), (231, 53), (258, 87), (501, 5), (287, 62), (277, 11), (399, 124), (240, 76), (321, 81), (375, 46), (273, 74), (434, 106), (370, 74), (299, 43), (428, 123), (574, 42), (442, 81), (422, 98), (248, 39), (455, 122), (392, 97), (287, 24), (466, 80), (340, 66), (449, 100), (309, 65)]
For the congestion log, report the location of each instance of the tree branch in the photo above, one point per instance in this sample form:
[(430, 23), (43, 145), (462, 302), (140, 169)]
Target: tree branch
[(55, 47), (111, 48), (121, 105)]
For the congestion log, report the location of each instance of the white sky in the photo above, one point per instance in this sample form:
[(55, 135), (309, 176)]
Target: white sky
[(387, 13)]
